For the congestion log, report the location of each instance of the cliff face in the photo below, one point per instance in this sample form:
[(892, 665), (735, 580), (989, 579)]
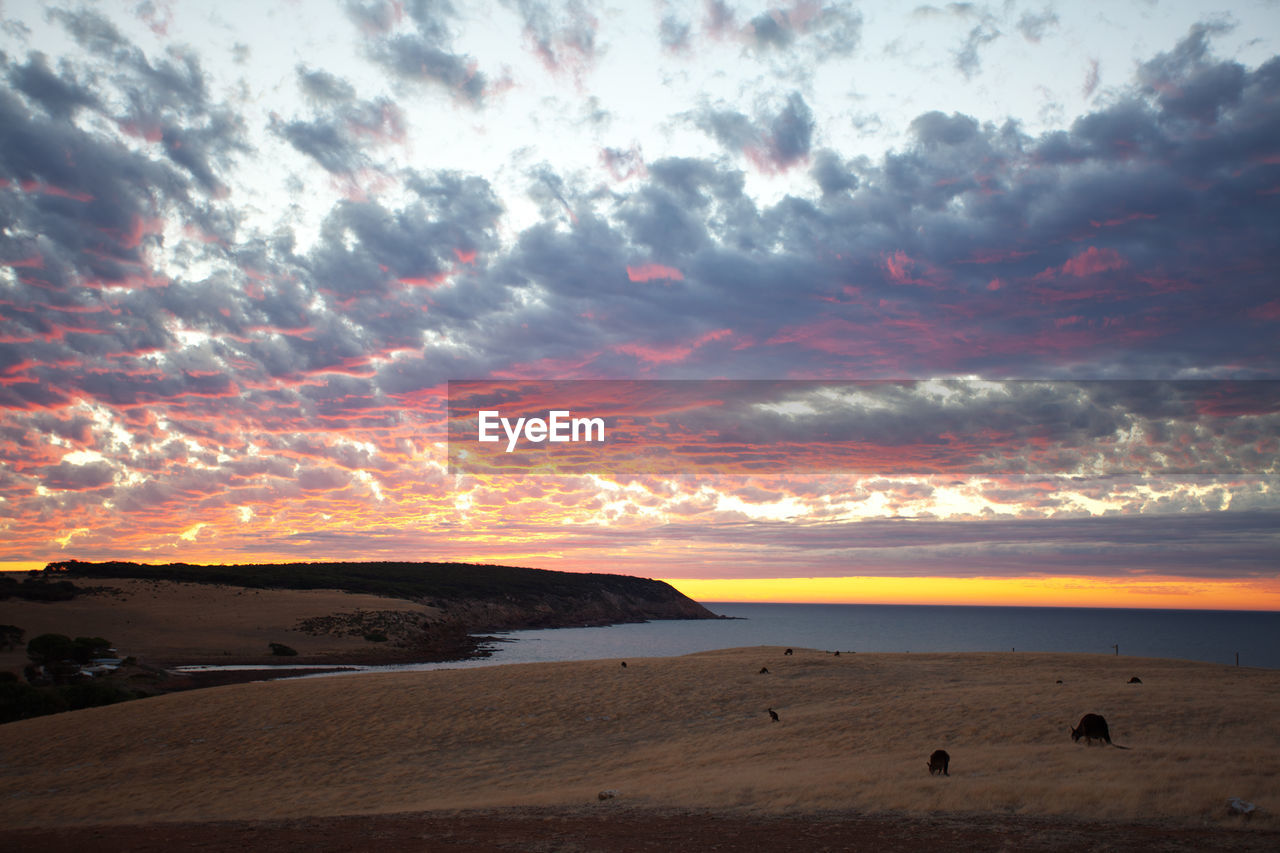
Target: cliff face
[(624, 599)]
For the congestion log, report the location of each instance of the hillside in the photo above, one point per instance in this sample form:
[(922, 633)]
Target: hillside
[(487, 598), (681, 733), (327, 612)]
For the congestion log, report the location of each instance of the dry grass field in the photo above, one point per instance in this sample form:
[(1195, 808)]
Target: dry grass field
[(192, 623), (688, 732)]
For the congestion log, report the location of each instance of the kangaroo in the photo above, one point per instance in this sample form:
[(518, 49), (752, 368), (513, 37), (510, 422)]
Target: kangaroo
[(1093, 726), (938, 762)]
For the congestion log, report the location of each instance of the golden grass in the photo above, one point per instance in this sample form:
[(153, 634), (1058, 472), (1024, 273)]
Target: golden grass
[(190, 622), (855, 733)]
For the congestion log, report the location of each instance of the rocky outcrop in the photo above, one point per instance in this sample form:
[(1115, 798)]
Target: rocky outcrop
[(615, 600)]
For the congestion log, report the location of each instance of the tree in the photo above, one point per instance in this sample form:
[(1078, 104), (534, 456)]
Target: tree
[(10, 636), (48, 649), (86, 649)]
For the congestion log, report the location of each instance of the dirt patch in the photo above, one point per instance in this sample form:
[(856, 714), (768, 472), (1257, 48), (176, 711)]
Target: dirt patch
[(612, 830)]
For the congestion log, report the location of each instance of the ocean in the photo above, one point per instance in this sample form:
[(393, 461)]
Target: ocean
[(1214, 636), (1200, 635)]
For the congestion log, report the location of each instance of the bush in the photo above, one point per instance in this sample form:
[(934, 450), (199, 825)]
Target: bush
[(91, 694), (10, 636), (48, 649), (88, 648), (282, 650), (32, 589), (376, 637), (22, 701)]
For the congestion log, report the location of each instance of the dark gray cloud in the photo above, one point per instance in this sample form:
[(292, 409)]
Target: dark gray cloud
[(791, 132), (1188, 84), (59, 96), (831, 174), (68, 477), (776, 139), (1198, 545), (413, 59), (423, 56), (343, 130), (324, 87)]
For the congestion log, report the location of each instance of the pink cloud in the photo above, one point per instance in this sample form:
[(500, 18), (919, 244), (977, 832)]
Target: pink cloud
[(1089, 262), (648, 272), (1094, 260), (664, 354), (904, 269)]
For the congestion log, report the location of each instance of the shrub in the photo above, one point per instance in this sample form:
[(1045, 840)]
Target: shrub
[(48, 649), (10, 636), (21, 701), (282, 650)]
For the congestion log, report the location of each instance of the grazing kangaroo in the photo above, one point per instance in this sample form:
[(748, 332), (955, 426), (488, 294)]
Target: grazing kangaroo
[(773, 715), (1093, 726), (938, 762)]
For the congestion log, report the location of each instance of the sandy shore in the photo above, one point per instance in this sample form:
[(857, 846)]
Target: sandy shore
[(673, 733)]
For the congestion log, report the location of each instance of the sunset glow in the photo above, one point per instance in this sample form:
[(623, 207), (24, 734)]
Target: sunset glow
[(1171, 593), (968, 304)]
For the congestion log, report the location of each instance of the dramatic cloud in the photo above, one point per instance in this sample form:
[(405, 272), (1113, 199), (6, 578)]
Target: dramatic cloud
[(238, 271)]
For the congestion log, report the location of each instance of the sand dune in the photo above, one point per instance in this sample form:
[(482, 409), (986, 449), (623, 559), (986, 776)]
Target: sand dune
[(854, 734)]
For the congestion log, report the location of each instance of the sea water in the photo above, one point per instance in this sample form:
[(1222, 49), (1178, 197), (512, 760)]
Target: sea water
[(1201, 635), (1251, 638)]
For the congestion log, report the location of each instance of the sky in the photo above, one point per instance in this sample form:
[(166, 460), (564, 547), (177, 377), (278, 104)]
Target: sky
[(964, 303)]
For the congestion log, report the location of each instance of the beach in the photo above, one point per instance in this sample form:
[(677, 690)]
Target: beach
[(688, 734)]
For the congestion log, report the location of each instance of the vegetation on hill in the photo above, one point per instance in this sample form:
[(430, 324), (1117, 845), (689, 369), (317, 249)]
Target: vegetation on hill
[(595, 598), (36, 589)]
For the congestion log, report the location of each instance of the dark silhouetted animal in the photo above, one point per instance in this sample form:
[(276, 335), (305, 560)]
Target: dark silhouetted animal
[(938, 762), (1135, 680), (764, 670), (837, 653), (773, 715), (624, 664), (788, 652), (1093, 727)]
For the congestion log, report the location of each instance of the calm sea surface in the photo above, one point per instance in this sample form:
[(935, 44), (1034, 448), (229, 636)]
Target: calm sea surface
[(1214, 636)]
